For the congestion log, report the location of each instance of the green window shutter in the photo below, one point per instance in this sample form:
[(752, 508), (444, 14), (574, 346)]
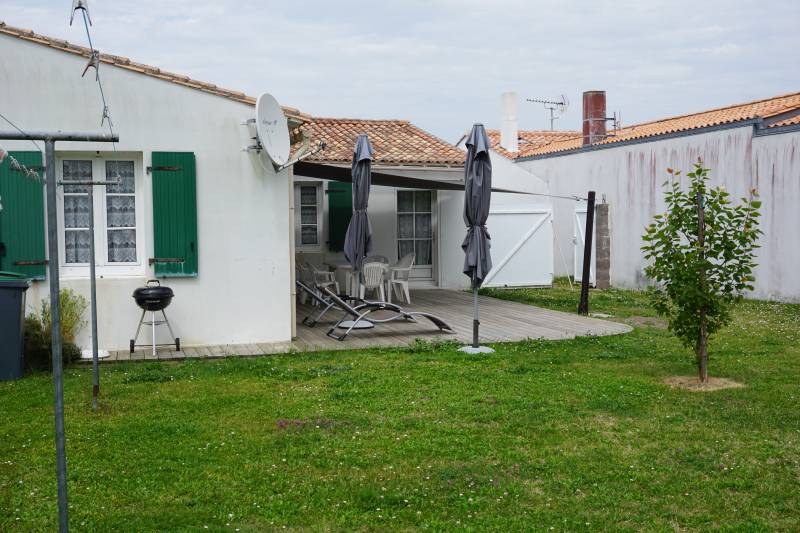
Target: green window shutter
[(22, 218), (174, 214), (340, 210)]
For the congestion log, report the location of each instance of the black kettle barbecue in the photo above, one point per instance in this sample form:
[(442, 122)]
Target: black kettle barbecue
[(154, 297)]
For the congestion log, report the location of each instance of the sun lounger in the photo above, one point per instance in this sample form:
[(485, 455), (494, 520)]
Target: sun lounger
[(314, 295), (360, 312), (328, 304)]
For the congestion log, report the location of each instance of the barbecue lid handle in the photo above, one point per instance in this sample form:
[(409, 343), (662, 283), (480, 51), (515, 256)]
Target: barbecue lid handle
[(149, 281)]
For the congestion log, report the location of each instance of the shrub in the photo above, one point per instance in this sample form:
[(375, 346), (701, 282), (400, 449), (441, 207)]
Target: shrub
[(36, 347), (38, 333)]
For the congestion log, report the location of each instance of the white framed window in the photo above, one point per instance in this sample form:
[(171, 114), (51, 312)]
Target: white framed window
[(415, 225), (118, 221), (308, 215)]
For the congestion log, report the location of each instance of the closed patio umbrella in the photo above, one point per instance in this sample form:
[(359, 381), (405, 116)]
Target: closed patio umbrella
[(476, 245), (358, 239)]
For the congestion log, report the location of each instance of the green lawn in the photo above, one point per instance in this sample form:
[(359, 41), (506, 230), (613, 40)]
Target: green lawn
[(553, 436)]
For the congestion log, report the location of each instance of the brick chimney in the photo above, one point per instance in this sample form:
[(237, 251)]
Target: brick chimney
[(509, 127), (594, 116)]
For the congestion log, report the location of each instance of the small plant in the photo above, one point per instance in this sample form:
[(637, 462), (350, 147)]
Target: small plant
[(703, 255), (73, 308)]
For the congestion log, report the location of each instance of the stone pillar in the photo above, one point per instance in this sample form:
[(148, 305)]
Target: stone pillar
[(603, 247)]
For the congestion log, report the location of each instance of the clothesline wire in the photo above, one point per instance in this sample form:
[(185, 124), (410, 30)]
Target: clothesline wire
[(573, 198), (15, 164), (20, 130), (95, 55)]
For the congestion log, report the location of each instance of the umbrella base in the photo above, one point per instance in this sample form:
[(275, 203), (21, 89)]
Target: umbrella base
[(473, 350), (362, 324)]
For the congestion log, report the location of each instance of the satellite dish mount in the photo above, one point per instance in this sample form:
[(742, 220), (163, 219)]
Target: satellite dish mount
[(272, 134)]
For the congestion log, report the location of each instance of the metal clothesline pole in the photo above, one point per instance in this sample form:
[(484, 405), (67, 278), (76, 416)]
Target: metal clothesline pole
[(93, 283), (93, 296), (50, 139)]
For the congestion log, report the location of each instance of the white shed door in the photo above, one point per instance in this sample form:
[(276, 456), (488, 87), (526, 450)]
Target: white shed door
[(579, 224), (522, 247)]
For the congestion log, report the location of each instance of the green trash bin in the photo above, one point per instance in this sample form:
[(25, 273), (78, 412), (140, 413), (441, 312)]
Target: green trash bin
[(12, 319)]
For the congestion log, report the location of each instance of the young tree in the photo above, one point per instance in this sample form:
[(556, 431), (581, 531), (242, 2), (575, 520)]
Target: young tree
[(702, 253)]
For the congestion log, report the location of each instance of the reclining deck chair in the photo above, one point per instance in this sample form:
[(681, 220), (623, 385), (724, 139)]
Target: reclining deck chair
[(360, 312), (316, 298)]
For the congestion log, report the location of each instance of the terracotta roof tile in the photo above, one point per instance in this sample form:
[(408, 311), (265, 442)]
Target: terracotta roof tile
[(396, 142), (530, 140), (769, 107), (786, 122), (148, 70)]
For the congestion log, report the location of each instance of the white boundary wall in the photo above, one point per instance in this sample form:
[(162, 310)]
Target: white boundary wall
[(630, 177)]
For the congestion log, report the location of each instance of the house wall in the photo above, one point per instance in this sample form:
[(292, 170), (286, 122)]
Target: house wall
[(630, 178), (242, 292)]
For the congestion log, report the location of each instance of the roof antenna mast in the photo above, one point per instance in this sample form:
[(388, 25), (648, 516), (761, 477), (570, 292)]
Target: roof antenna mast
[(554, 107)]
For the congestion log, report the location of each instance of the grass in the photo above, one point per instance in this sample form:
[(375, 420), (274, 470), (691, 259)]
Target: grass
[(556, 436)]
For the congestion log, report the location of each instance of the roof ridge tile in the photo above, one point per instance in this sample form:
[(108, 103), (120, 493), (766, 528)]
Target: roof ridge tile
[(128, 64)]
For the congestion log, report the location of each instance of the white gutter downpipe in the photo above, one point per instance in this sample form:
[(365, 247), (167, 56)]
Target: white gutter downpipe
[(509, 130)]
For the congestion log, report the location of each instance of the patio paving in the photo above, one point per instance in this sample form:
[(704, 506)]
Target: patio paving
[(501, 321)]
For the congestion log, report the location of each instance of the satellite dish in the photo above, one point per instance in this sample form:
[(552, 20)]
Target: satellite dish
[(272, 129)]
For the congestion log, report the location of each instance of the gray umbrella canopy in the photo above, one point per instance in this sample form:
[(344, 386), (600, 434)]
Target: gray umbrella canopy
[(358, 240), (477, 196)]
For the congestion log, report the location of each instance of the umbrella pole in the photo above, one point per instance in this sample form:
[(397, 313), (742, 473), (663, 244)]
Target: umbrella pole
[(475, 347), (475, 321)]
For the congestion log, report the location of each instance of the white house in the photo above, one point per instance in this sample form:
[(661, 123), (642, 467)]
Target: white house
[(755, 145), (189, 193), (426, 219)]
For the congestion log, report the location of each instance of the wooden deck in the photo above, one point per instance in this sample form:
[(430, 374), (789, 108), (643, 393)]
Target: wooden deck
[(501, 321)]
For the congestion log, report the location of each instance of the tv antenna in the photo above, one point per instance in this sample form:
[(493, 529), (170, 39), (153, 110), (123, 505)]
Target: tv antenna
[(554, 107)]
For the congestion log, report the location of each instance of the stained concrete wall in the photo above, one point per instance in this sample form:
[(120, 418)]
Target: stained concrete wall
[(630, 178)]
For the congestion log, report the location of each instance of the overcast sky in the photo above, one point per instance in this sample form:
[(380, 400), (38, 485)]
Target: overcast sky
[(443, 63)]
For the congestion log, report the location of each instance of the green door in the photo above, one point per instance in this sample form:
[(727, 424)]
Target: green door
[(340, 210), (22, 233)]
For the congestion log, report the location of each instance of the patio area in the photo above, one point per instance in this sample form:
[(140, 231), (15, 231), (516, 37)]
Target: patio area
[(501, 321)]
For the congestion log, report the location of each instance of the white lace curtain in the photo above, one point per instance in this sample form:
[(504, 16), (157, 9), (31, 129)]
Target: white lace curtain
[(76, 211), (120, 202), (121, 212)]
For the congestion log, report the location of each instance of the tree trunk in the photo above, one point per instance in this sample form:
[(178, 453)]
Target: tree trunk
[(702, 340), (702, 349)]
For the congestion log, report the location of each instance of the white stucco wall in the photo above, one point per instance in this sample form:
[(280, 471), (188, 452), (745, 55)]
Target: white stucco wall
[(630, 177), (242, 293)]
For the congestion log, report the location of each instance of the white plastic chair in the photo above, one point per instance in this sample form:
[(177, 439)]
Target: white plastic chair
[(305, 275), (397, 279), (372, 277), (317, 276), (324, 277)]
